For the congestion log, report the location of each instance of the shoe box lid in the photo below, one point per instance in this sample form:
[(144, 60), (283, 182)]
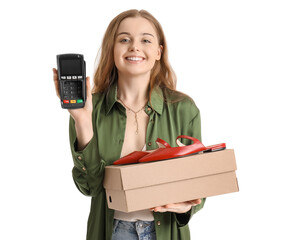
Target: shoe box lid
[(133, 176)]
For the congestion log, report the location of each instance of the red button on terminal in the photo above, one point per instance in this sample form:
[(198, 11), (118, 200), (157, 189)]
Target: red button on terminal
[(66, 101)]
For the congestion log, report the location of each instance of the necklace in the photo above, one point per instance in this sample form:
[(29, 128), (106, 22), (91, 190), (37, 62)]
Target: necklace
[(135, 114)]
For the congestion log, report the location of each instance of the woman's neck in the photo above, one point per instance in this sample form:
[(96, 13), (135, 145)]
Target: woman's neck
[(133, 91)]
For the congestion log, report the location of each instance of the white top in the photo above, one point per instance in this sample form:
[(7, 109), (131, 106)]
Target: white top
[(143, 215)]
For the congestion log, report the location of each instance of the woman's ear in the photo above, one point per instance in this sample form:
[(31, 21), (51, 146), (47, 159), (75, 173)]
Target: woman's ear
[(160, 51)]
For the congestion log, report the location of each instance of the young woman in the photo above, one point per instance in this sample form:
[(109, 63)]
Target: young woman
[(133, 102)]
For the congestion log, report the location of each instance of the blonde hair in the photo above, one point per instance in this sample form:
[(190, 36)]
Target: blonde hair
[(162, 73)]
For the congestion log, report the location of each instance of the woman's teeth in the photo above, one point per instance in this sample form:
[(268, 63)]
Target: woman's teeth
[(134, 58)]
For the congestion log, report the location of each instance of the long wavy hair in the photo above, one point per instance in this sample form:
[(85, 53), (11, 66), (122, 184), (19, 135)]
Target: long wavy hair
[(106, 73)]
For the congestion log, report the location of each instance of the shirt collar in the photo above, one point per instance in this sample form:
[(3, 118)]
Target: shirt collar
[(157, 99)]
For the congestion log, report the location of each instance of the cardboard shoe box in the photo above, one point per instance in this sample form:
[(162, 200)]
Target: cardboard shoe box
[(145, 185)]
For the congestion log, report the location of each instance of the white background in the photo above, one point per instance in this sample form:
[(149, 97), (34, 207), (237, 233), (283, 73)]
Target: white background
[(232, 57)]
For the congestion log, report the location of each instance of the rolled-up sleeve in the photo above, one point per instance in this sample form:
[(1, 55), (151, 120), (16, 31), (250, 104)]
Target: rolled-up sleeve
[(193, 130), (88, 167)]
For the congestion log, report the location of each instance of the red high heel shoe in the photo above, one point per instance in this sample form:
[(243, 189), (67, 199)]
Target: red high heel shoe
[(136, 155), (181, 151), (211, 148)]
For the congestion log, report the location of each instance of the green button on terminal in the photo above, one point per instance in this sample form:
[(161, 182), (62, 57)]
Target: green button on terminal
[(79, 100)]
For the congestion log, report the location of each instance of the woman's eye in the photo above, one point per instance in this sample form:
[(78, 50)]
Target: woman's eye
[(146, 41), (124, 40)]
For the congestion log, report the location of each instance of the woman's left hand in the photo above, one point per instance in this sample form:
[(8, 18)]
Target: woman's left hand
[(182, 207)]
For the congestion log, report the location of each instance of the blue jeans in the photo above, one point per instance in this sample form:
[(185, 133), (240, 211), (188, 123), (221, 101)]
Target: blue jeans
[(140, 230)]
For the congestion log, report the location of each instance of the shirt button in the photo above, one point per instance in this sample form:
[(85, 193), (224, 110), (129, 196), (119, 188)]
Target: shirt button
[(159, 223), (149, 109), (84, 169), (150, 143), (79, 157)]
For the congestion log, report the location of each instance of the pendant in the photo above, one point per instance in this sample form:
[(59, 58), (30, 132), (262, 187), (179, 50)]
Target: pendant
[(136, 132)]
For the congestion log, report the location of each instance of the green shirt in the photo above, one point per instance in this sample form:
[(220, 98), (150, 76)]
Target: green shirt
[(167, 120)]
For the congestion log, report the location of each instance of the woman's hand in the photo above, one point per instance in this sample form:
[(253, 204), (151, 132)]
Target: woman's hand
[(182, 207), (82, 116), (80, 113)]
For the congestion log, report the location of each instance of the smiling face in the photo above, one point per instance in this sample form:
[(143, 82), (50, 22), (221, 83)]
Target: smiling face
[(136, 47)]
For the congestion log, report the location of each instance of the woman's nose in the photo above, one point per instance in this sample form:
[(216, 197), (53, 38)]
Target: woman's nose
[(134, 47)]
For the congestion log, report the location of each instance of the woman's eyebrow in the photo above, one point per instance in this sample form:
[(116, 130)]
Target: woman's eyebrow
[(127, 33), (148, 34), (123, 33)]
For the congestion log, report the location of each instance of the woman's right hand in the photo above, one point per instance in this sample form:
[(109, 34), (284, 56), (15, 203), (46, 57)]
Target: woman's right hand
[(80, 113), (82, 116)]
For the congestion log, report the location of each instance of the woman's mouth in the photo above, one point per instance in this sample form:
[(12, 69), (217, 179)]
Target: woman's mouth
[(135, 59)]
